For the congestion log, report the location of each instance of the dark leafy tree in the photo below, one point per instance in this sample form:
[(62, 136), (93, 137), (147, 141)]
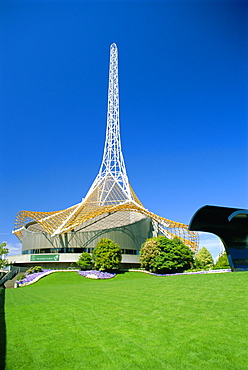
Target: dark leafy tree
[(106, 255), (166, 255), (85, 261)]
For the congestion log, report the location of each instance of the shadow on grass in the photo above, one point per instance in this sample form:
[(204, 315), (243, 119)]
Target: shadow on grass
[(120, 271), (2, 330)]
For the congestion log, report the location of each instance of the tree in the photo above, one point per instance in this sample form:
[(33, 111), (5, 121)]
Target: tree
[(222, 262), (204, 259), (85, 261), (165, 255), (3, 251), (106, 255)]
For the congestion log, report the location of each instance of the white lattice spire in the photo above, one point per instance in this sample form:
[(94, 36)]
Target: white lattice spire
[(112, 170)]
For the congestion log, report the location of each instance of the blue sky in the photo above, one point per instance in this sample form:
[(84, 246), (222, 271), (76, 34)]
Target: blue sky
[(183, 104)]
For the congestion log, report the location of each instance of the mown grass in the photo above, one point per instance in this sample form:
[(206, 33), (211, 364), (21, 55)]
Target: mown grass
[(134, 321)]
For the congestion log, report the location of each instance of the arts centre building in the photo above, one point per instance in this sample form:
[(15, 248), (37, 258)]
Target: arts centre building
[(110, 209)]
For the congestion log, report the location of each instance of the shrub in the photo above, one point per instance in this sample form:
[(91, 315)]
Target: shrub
[(106, 255), (148, 253), (165, 255), (85, 261), (37, 269), (204, 259), (20, 277), (73, 266), (34, 269)]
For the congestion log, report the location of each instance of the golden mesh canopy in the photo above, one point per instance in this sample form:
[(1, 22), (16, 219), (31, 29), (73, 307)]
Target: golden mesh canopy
[(106, 199)]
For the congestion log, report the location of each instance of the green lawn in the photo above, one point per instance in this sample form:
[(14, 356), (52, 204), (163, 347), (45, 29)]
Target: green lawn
[(134, 321)]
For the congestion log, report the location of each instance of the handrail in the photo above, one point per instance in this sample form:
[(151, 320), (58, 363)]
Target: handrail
[(10, 275)]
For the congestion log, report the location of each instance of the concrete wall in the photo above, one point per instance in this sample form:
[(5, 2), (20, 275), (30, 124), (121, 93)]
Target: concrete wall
[(130, 236)]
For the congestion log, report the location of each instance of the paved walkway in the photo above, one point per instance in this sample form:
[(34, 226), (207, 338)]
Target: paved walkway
[(10, 283)]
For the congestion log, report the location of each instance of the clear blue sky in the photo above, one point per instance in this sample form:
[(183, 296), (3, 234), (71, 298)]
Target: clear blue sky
[(183, 103)]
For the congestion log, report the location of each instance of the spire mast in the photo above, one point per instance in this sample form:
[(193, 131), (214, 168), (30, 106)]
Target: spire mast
[(113, 162)]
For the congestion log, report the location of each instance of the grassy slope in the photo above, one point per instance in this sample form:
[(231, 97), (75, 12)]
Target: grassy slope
[(134, 321)]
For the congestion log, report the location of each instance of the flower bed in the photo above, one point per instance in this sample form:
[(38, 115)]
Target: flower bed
[(94, 274), (184, 273), (195, 272), (91, 274), (32, 278)]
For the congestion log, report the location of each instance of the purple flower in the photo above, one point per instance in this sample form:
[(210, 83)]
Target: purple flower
[(95, 274), (30, 277), (193, 272)]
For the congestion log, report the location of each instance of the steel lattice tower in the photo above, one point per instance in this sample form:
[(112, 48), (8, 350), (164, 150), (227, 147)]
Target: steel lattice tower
[(113, 166)]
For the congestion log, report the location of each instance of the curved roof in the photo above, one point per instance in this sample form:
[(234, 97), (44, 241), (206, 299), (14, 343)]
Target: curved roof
[(231, 226)]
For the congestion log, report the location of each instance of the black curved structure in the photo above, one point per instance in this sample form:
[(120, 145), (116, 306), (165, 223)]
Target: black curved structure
[(231, 226)]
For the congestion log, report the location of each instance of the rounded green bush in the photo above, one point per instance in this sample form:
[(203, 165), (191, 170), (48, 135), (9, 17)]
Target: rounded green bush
[(85, 261), (106, 255)]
